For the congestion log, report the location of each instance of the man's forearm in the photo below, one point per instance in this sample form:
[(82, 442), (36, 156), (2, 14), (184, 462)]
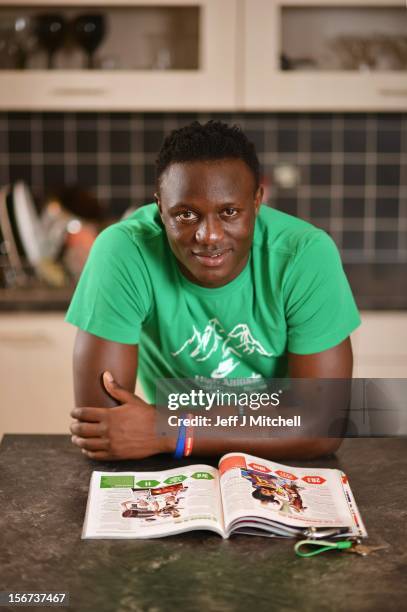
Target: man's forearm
[(292, 448), (308, 442), (271, 448)]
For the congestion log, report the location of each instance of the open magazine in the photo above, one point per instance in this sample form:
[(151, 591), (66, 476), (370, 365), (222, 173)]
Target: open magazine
[(244, 495)]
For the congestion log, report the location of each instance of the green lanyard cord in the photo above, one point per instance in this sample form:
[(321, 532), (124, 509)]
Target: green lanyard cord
[(323, 545)]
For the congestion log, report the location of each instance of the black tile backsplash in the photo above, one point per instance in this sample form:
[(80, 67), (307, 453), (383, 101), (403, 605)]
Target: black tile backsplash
[(320, 174), (318, 208), (289, 205), (389, 140), (120, 174), (353, 174), (354, 141), (87, 176), (387, 208), (18, 172), (353, 208), (386, 240), (321, 141), (353, 240), (53, 141), (19, 141), (120, 141), (387, 175), (352, 167), (287, 141), (54, 175)]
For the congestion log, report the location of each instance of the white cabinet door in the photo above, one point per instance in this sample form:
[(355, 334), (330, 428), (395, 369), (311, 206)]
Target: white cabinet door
[(266, 87), (212, 86), (380, 345), (36, 373)]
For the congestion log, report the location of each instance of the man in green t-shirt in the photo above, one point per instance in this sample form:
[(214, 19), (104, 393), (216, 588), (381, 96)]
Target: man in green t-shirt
[(206, 283)]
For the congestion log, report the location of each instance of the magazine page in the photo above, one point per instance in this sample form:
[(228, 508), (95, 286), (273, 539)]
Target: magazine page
[(359, 528), (153, 504), (296, 497)]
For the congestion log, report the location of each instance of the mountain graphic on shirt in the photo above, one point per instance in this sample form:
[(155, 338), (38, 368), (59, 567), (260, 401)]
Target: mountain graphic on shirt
[(203, 345), (213, 339), (247, 342)]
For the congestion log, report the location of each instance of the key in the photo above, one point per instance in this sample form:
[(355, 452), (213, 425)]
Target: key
[(363, 549)]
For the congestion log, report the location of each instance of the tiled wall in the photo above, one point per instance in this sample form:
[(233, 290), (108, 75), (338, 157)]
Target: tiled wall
[(352, 168)]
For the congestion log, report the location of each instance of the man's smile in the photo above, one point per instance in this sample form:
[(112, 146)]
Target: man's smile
[(211, 259)]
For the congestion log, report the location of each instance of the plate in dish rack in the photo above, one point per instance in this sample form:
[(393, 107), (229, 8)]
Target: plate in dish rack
[(28, 223)]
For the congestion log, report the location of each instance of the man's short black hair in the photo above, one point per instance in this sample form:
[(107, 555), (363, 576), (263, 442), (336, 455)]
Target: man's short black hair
[(206, 142)]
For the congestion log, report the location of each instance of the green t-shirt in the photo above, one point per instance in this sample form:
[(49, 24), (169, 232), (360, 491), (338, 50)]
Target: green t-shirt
[(292, 296)]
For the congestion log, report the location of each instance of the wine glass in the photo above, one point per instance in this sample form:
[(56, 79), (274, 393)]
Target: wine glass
[(16, 42), (50, 31), (89, 30)]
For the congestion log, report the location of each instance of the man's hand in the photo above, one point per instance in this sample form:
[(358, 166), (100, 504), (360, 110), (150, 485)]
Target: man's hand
[(123, 432)]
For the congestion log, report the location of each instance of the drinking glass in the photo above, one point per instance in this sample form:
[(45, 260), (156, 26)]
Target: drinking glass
[(50, 32), (89, 30)]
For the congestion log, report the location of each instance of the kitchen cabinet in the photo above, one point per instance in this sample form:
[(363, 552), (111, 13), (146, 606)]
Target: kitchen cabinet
[(276, 29), (142, 84), (36, 373), (232, 61), (380, 345)]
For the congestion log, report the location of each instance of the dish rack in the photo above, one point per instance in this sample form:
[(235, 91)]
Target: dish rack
[(23, 243)]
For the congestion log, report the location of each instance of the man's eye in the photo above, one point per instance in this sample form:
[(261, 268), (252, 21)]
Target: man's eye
[(230, 212), (187, 215)]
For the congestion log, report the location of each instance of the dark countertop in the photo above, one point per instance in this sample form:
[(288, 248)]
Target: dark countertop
[(35, 299), (43, 492), (378, 286), (375, 287)]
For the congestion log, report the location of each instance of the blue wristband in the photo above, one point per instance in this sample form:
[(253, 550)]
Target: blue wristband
[(179, 449)]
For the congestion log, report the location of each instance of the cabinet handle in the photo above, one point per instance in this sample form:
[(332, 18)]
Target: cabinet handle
[(24, 339), (393, 92), (79, 91)]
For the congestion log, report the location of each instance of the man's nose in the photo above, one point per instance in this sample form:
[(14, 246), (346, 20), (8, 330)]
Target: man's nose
[(210, 231)]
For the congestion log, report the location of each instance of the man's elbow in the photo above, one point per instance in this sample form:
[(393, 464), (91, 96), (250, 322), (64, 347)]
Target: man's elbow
[(323, 447)]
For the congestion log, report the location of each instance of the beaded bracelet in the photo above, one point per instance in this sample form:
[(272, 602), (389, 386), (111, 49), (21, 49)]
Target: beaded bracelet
[(189, 439), (179, 449), (185, 439)]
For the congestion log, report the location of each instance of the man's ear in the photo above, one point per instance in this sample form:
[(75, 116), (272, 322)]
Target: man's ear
[(158, 202), (258, 198)]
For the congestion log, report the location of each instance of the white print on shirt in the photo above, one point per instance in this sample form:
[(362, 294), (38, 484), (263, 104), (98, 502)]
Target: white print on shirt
[(214, 338)]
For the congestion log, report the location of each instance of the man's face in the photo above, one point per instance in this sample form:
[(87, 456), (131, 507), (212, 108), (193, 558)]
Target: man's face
[(267, 492), (209, 210)]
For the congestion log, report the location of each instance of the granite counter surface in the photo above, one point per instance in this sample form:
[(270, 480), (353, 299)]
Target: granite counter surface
[(43, 491)]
